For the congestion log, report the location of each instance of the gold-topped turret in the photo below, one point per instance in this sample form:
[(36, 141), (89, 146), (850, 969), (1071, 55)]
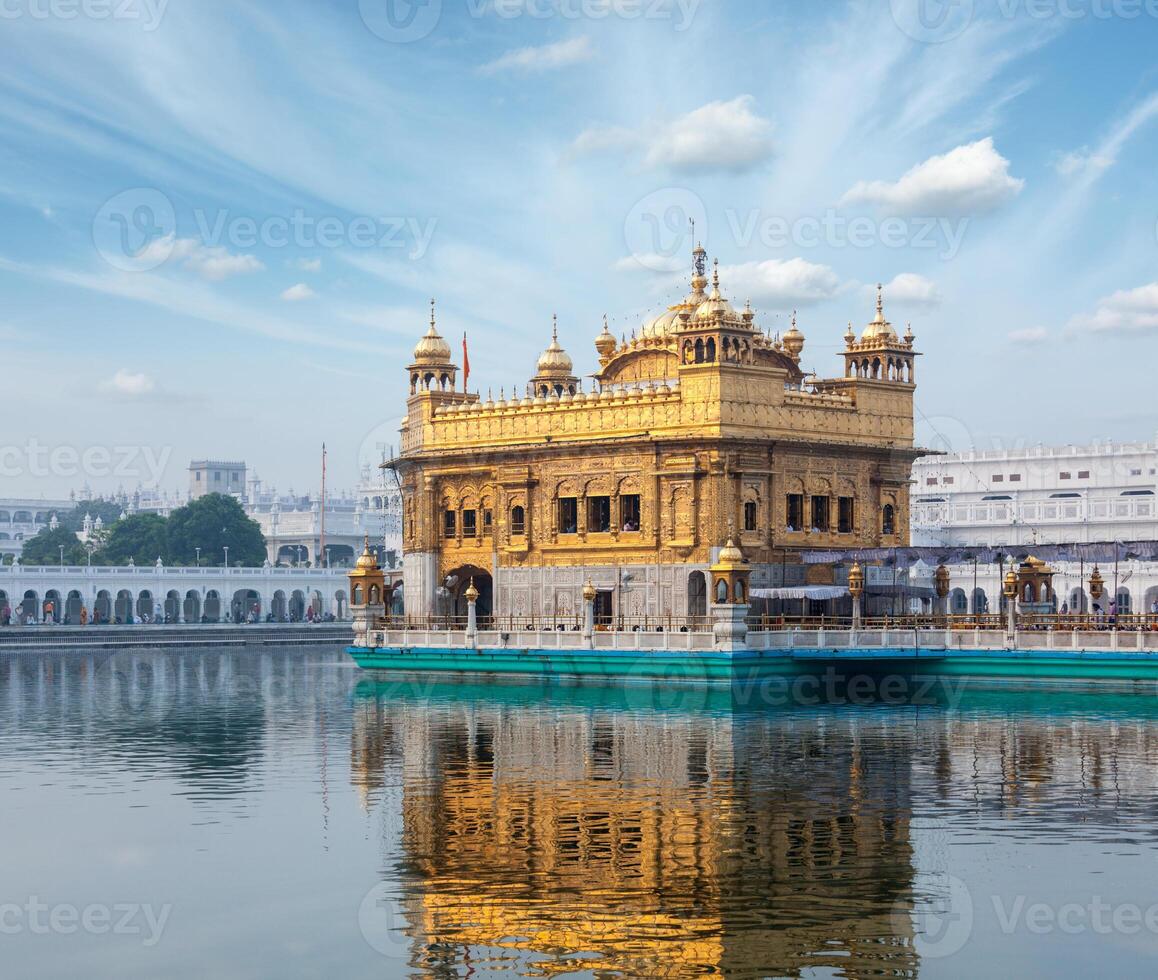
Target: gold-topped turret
[(793, 340), (555, 372), (432, 368), (879, 354)]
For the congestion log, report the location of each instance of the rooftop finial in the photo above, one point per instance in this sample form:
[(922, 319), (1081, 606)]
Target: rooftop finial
[(716, 273), (555, 326), (880, 300), (432, 312)]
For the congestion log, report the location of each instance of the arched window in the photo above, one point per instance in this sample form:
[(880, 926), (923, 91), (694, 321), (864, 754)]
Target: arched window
[(699, 352), (357, 595), (375, 595), (721, 591), (889, 520), (518, 520), (710, 351), (739, 591), (750, 515)]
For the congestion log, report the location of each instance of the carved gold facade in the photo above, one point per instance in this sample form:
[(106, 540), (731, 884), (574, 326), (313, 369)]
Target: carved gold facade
[(700, 427)]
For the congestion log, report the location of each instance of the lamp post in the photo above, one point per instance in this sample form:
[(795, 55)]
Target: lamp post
[(62, 556), (227, 557), (471, 596), (942, 582), (1097, 585), (1010, 592), (856, 590), (198, 550), (589, 595)]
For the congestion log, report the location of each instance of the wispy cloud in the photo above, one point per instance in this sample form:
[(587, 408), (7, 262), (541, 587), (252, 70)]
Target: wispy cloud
[(298, 293), (720, 137), (781, 283), (1127, 311), (908, 289), (213, 263), (546, 57), (1029, 336), (129, 384)]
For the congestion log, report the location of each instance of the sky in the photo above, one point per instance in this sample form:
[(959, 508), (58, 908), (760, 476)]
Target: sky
[(222, 222)]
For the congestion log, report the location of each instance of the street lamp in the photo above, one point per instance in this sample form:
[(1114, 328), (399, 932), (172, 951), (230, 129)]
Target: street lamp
[(226, 557), (62, 556), (198, 550)]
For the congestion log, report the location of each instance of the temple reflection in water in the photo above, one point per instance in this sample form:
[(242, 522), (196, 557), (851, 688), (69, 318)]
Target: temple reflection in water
[(589, 837)]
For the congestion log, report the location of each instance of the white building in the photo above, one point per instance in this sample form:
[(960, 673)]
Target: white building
[(1019, 499), (22, 518)]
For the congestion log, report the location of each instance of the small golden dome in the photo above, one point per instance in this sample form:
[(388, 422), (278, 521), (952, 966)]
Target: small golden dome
[(555, 361), (367, 561), (730, 554), (432, 349), (793, 340), (605, 343), (879, 330)]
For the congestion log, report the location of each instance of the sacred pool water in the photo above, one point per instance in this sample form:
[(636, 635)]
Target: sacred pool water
[(284, 814)]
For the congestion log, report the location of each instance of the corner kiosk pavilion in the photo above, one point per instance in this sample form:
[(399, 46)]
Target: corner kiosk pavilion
[(701, 428)]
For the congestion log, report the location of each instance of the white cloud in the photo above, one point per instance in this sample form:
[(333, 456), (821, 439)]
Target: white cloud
[(909, 289), (973, 177), (1029, 336), (213, 263), (726, 137), (779, 283), (297, 293), (1082, 161), (307, 265), (1126, 311), (129, 384), (596, 139), (546, 57)]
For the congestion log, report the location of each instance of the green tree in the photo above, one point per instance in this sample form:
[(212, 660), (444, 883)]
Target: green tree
[(109, 511), (213, 523), (44, 549), (141, 537)]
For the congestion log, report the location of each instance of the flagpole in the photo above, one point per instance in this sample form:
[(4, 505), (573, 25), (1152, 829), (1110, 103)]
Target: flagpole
[(325, 561)]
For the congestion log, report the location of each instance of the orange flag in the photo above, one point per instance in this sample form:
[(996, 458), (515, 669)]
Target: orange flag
[(465, 364)]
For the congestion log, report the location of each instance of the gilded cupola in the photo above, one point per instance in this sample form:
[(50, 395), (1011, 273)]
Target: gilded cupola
[(432, 369), (555, 372), (879, 329)]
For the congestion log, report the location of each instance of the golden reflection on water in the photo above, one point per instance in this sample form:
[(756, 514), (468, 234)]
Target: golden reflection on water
[(549, 840)]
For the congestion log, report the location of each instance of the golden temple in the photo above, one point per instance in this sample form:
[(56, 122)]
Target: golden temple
[(699, 427)]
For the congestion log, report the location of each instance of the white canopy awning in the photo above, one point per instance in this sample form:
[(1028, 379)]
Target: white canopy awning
[(803, 592)]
